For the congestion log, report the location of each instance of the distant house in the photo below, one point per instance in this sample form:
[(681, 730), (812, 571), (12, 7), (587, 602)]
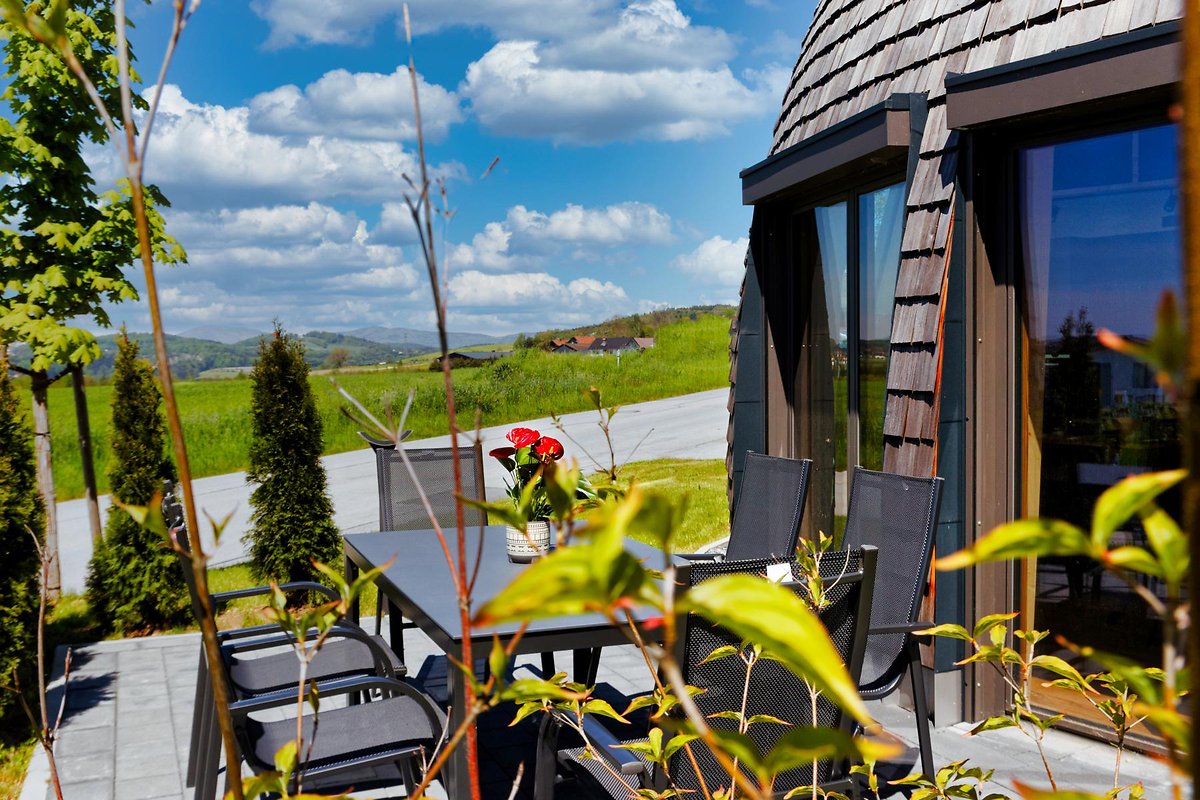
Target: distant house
[(575, 344), (618, 344)]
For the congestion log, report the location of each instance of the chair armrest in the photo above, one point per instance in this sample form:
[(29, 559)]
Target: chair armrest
[(900, 627), (701, 557), (383, 664), (606, 746), (367, 683), (257, 591)]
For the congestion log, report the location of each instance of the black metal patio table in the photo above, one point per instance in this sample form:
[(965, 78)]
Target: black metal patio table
[(419, 587)]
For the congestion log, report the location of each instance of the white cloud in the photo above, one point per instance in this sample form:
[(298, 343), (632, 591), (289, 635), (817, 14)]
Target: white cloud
[(716, 261), (283, 223), (340, 22), (206, 155), (647, 34), (355, 105), (528, 237), (487, 250), (621, 223), (539, 292), (514, 93)]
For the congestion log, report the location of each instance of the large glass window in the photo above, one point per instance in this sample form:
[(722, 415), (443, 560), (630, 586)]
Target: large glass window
[(1100, 242), (848, 256)]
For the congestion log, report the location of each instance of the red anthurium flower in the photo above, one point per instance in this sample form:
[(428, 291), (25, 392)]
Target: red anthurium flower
[(548, 449), (523, 437), (503, 452)]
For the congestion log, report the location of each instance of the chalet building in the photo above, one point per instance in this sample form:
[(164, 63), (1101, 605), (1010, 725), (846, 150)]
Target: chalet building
[(959, 194)]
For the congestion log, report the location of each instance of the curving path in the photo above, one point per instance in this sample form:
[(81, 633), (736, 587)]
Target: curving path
[(689, 426)]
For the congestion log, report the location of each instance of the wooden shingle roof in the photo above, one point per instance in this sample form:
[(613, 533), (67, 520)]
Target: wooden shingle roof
[(859, 52)]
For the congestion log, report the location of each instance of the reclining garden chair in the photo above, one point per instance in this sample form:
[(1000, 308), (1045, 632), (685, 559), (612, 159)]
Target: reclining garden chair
[(772, 690), (766, 519), (898, 514), (350, 652), (400, 506), (770, 504)]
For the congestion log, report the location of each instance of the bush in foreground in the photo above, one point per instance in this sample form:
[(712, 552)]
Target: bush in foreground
[(292, 515), (134, 581), (20, 513)]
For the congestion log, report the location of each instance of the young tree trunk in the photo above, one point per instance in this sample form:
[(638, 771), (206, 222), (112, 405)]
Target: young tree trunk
[(85, 452), (45, 479)]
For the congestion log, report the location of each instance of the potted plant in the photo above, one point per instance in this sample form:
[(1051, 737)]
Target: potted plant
[(528, 460)]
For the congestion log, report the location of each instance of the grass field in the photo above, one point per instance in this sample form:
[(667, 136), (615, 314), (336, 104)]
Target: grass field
[(688, 357)]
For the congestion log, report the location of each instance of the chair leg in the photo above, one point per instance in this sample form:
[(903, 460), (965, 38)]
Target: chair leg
[(198, 706), (922, 707)]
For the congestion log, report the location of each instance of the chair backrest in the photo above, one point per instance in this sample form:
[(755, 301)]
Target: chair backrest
[(770, 503), (898, 514), (400, 507), (774, 690)]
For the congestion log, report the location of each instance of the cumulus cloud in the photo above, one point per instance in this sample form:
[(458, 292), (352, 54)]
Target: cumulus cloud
[(355, 105), (621, 223), (338, 22), (283, 223), (592, 71), (207, 155), (527, 237), (716, 261), (514, 93), (646, 34), (539, 292)]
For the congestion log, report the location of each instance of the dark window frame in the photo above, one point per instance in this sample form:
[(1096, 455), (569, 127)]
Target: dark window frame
[(995, 150)]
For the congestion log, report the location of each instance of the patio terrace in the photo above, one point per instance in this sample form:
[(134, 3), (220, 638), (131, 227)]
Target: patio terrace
[(126, 728)]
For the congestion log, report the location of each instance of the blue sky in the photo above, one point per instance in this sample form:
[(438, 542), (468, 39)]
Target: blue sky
[(620, 125)]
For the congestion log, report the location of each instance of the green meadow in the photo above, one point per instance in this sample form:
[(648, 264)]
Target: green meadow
[(688, 357)]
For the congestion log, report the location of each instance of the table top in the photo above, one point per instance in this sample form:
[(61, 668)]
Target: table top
[(419, 583)]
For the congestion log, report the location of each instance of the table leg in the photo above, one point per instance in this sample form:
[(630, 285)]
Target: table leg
[(585, 664), (458, 784), (351, 571)]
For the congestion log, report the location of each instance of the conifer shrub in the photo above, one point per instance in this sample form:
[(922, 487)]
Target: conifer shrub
[(20, 513), (134, 581), (292, 515)]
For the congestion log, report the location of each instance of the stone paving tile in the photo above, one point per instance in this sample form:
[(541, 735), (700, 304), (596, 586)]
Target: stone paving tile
[(127, 729)]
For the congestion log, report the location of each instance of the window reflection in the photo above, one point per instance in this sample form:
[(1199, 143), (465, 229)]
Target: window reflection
[(1100, 242), (880, 216), (848, 260)]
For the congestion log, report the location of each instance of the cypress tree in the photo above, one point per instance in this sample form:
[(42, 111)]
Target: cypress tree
[(292, 514), (134, 580), (20, 513)]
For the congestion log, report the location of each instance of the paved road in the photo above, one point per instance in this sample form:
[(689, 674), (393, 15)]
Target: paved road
[(691, 426)]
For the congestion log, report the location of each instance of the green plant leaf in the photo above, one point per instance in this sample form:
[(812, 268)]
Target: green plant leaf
[(989, 622), (1133, 558), (1169, 544), (763, 612), (721, 652), (1022, 539), (947, 630), (994, 724), (1120, 502), (601, 708)]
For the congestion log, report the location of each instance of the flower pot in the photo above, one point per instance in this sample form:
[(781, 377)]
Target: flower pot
[(524, 547)]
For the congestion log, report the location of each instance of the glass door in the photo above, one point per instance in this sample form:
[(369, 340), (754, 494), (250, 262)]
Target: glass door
[(1100, 242)]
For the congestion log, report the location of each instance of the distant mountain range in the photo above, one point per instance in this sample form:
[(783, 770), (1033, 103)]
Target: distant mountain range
[(405, 338), (412, 337)]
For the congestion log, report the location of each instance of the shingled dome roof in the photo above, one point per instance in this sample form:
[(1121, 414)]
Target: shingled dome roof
[(856, 55)]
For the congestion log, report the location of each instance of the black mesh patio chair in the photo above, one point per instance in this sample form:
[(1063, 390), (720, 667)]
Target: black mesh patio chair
[(766, 516), (257, 660), (766, 519), (400, 506), (849, 577), (898, 514)]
